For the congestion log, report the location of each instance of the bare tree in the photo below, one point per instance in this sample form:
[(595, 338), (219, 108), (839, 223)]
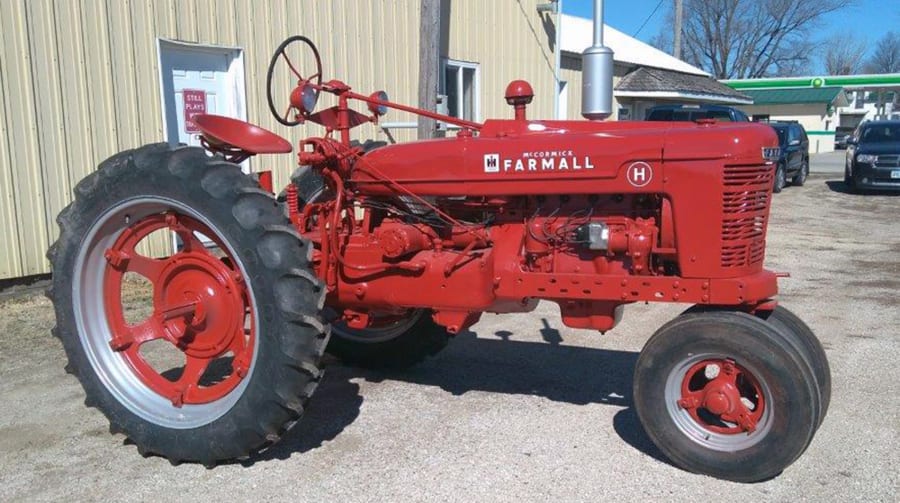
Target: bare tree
[(843, 54), (734, 39), (886, 58)]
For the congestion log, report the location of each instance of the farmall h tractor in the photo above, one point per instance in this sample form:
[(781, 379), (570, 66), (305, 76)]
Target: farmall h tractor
[(379, 254)]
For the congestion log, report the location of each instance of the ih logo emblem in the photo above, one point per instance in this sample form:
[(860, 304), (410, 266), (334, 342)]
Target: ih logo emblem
[(491, 163), (639, 174)]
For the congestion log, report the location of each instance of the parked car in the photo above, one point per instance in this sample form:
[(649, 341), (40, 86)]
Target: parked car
[(793, 160), (841, 133), (873, 156), (694, 112)]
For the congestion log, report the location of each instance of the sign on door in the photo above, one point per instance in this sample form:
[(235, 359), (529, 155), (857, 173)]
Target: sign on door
[(194, 104)]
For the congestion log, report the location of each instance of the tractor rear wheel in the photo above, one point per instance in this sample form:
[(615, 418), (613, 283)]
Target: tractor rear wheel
[(724, 394), (390, 341), (222, 352), (395, 342)]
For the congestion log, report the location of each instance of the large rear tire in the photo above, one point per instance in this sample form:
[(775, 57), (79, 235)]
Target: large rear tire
[(242, 323), (723, 394)]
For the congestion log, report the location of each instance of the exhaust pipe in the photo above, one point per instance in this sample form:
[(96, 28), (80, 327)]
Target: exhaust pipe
[(597, 73)]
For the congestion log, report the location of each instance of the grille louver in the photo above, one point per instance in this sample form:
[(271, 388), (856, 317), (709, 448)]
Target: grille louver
[(745, 214)]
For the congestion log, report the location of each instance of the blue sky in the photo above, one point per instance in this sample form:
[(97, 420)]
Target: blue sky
[(869, 19)]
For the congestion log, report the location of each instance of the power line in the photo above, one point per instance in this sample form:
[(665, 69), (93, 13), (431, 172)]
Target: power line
[(648, 18)]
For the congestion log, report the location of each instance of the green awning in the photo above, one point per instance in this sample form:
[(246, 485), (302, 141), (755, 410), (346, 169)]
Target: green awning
[(800, 95)]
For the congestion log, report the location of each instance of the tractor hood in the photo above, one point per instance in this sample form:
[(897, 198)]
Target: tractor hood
[(511, 157)]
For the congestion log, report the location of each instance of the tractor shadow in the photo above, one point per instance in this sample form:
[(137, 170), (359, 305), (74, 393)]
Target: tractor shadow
[(493, 364)]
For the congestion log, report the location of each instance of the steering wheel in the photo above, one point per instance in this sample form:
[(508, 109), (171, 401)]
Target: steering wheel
[(286, 117)]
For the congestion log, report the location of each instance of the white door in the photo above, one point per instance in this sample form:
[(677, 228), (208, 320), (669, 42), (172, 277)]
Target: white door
[(199, 79)]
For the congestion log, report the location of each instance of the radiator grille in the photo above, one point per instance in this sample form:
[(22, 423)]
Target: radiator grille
[(888, 161), (745, 213)]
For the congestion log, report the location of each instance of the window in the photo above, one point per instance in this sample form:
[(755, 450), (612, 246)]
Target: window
[(718, 115), (460, 84), (793, 134)]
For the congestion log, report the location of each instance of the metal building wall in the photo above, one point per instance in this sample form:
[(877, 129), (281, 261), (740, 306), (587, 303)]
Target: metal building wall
[(79, 81), (510, 40)]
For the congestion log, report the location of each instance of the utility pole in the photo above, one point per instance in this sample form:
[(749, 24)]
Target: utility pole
[(429, 64), (676, 46)]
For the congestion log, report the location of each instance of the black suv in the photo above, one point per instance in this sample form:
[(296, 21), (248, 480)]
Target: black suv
[(793, 161), (695, 112), (873, 156), (841, 133)]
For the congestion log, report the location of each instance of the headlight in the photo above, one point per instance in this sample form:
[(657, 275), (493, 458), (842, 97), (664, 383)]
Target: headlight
[(309, 97), (304, 98), (375, 108), (866, 158)]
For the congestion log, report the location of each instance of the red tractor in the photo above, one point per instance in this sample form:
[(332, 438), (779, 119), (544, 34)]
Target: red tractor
[(379, 254)]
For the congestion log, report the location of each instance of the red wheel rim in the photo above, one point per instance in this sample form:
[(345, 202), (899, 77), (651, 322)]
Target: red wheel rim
[(200, 305), (722, 397)]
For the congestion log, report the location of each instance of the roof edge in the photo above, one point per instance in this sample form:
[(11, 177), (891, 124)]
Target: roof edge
[(815, 82), (732, 100)]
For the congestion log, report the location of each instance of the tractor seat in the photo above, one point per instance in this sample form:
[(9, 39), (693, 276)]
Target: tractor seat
[(219, 131)]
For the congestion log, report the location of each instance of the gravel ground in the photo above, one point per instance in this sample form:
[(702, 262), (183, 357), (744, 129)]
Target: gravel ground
[(521, 408)]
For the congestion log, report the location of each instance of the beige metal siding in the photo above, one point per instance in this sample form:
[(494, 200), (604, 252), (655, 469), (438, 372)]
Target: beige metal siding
[(508, 40), (571, 73), (79, 81)]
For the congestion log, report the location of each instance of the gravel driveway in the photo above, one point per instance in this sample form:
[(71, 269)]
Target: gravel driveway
[(521, 408)]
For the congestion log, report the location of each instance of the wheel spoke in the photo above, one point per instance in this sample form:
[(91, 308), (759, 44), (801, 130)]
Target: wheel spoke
[(287, 112), (729, 374), (691, 399), (135, 335), (147, 267), (241, 349), (189, 239), (149, 330), (193, 371), (291, 65)]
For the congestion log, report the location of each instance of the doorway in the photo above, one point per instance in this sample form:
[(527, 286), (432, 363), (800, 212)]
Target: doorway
[(198, 79)]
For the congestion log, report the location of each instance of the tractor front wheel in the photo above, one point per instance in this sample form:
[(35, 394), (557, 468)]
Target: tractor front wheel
[(725, 394), (186, 305), (808, 344)]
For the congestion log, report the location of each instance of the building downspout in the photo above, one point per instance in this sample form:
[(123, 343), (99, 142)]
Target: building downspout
[(555, 7), (557, 113)]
